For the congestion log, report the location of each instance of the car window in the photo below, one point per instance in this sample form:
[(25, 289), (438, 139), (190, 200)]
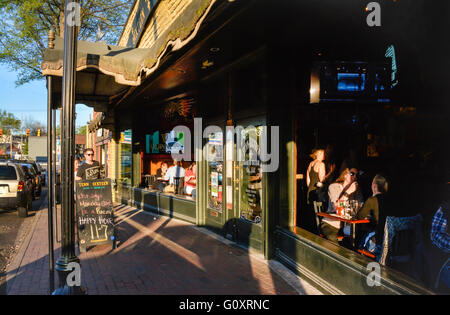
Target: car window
[(32, 170), (41, 159), (26, 170), (7, 172), (34, 167)]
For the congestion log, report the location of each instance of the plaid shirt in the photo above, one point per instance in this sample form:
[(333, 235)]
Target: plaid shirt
[(439, 235)]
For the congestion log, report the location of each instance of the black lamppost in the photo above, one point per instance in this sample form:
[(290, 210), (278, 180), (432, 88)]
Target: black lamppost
[(50, 183), (68, 261)]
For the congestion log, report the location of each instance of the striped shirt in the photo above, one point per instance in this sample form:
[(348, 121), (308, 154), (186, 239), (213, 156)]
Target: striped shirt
[(439, 235)]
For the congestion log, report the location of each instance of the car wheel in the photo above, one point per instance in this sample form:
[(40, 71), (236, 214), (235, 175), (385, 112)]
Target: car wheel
[(23, 211)]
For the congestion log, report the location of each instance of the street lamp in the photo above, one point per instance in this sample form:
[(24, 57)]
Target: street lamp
[(68, 257)]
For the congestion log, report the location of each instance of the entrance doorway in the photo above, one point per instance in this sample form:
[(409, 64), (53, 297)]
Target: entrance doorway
[(235, 191)]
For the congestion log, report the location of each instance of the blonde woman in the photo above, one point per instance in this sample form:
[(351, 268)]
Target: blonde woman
[(344, 188), (315, 174)]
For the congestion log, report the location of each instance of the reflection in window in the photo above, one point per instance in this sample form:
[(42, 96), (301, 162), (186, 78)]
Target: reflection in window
[(215, 170), (251, 175), (125, 156)]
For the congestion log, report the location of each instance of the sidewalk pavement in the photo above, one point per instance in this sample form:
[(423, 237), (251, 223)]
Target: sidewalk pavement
[(155, 255)]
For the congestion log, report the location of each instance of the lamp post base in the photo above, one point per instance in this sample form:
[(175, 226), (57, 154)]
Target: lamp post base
[(69, 275), (66, 290)]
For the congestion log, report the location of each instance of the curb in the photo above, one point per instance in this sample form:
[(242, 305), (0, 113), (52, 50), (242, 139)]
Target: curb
[(16, 262)]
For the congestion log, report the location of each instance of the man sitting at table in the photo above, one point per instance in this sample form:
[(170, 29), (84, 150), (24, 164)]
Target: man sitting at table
[(376, 209), (175, 171)]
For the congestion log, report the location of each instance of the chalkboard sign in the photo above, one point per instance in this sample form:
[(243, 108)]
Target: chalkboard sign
[(95, 217)]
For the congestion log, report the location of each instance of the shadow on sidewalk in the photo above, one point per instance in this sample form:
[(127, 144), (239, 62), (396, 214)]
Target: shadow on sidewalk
[(160, 255)]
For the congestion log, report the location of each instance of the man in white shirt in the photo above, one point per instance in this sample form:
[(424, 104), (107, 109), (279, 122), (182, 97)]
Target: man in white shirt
[(174, 171)]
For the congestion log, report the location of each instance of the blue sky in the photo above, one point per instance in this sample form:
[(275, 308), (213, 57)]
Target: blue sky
[(30, 99)]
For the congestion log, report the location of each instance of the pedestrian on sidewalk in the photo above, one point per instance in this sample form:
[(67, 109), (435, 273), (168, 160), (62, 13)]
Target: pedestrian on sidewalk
[(90, 169)]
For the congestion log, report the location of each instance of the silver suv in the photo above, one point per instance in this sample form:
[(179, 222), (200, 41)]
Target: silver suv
[(16, 190)]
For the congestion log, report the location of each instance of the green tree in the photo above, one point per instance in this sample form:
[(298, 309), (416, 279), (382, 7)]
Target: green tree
[(25, 148), (33, 125), (25, 24), (8, 122), (81, 130)]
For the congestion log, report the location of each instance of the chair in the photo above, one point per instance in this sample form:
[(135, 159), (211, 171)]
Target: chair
[(402, 243), (365, 252), (179, 185), (318, 207)]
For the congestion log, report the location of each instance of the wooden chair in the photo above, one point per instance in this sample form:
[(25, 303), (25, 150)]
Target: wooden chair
[(179, 185), (318, 207), (366, 253)]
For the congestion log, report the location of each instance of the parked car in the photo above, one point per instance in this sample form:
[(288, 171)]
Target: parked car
[(38, 174), (31, 174), (16, 190), (42, 161), (42, 174)]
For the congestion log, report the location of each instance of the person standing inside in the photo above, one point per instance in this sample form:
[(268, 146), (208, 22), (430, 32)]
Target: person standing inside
[(174, 172), (90, 169), (315, 175)]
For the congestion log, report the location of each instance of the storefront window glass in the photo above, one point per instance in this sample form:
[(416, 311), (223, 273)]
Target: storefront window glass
[(250, 177), (125, 156), (215, 170)]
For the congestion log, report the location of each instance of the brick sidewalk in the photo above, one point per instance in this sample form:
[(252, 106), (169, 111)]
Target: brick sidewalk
[(155, 255)]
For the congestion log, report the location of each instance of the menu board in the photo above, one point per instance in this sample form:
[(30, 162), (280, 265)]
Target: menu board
[(251, 208), (251, 177), (95, 216)]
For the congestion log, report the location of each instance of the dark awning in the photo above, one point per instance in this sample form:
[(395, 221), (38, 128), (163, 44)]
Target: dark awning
[(95, 123), (105, 72)]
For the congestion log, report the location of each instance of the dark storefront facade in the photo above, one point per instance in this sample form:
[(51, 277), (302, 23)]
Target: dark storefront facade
[(303, 78)]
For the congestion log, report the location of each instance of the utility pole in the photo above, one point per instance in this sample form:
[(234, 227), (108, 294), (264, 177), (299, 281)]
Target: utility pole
[(21, 135)]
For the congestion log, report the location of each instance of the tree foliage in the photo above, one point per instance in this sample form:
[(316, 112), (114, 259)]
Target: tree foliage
[(8, 122), (33, 125), (25, 24), (81, 130)]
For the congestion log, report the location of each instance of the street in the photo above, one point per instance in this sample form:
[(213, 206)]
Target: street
[(13, 230)]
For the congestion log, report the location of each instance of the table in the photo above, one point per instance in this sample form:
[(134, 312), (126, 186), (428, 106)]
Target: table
[(351, 221)]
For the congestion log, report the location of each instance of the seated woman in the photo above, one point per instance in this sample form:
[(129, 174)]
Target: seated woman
[(190, 178), (160, 173), (345, 188), (376, 209)]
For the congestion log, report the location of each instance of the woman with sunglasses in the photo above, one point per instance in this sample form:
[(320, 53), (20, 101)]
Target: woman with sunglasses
[(344, 189)]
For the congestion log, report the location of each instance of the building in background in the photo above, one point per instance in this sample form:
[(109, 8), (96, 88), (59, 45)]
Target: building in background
[(99, 138)]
